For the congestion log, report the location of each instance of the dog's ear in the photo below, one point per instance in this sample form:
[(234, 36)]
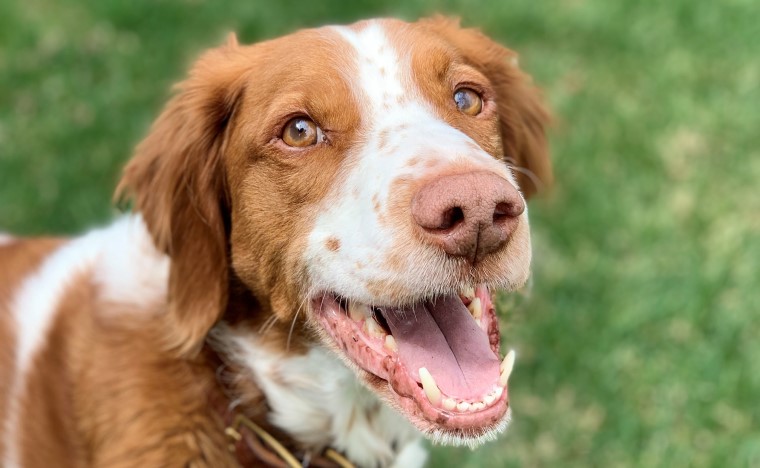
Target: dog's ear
[(521, 111), (177, 182)]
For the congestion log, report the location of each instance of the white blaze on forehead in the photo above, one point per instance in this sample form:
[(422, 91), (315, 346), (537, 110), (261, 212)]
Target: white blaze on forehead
[(379, 66), (398, 126)]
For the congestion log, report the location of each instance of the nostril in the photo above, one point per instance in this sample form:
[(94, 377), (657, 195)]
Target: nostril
[(500, 212), (507, 210), (451, 218)]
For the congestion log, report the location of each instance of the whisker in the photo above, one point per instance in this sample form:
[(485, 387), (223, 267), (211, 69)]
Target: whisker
[(268, 324), (531, 175), (292, 326), (293, 323)]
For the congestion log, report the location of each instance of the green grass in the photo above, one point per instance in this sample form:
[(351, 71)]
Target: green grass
[(639, 342)]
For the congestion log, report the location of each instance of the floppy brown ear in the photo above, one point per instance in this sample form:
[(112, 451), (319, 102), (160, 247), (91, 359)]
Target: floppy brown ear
[(177, 182), (521, 110)]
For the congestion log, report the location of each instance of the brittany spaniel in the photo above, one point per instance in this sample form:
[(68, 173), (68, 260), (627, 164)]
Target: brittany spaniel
[(319, 225)]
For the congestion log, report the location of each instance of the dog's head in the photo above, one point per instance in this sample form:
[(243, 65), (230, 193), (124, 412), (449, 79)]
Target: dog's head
[(372, 177)]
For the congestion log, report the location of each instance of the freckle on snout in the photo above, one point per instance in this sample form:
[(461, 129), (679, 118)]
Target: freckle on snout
[(332, 244), (430, 163), (413, 162)]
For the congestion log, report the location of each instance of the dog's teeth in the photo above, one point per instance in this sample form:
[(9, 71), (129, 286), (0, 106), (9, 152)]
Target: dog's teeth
[(463, 406), (478, 406), (490, 398), (498, 391), (373, 328), (468, 292), (506, 367), (430, 387), (390, 343), (476, 309), (449, 404), (507, 362), (358, 311)]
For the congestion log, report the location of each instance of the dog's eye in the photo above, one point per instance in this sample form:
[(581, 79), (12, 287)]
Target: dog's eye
[(301, 132), (468, 101)]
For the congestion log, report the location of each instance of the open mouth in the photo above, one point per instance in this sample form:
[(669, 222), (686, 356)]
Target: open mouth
[(439, 358)]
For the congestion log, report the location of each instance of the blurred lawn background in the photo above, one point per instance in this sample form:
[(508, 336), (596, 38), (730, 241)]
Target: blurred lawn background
[(639, 342)]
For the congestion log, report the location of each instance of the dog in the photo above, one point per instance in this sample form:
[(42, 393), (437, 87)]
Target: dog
[(319, 223)]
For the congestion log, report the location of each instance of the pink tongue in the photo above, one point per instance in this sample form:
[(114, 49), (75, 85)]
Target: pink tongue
[(442, 336)]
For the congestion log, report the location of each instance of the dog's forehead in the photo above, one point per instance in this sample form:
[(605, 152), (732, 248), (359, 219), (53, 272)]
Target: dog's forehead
[(383, 67), (371, 66)]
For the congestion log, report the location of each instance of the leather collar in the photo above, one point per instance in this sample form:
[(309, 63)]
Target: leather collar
[(254, 445)]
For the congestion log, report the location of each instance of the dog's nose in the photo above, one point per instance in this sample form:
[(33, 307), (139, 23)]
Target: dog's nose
[(468, 215)]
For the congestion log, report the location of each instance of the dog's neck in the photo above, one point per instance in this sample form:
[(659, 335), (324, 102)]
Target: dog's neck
[(252, 439), (309, 399)]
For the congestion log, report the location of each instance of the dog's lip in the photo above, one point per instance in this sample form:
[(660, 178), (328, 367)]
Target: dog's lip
[(372, 351)]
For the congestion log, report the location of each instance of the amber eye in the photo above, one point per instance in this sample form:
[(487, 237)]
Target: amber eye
[(300, 132), (468, 101)]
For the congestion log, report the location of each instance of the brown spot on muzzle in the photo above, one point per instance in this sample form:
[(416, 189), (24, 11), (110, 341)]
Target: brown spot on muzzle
[(332, 244), (468, 215)]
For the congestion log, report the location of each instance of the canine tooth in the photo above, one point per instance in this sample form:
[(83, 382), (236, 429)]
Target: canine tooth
[(358, 311), (478, 406), (390, 343), (463, 406), (490, 398), (373, 328), (429, 386), (449, 404), (506, 367), (468, 292), (476, 309)]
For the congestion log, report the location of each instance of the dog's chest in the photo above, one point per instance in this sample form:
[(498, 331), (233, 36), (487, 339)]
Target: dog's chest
[(318, 401)]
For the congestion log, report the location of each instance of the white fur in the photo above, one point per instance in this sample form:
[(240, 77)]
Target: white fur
[(471, 440), (319, 402), (393, 107), (121, 262), (412, 455), (6, 239), (132, 271)]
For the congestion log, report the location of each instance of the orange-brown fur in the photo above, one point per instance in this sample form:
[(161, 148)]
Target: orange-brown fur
[(105, 393), (229, 213), (19, 259)]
